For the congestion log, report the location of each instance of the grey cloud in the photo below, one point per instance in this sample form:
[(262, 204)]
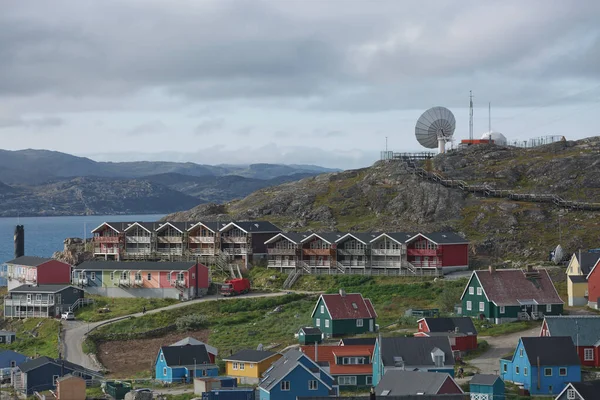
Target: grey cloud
[(148, 128), (37, 123), (209, 126)]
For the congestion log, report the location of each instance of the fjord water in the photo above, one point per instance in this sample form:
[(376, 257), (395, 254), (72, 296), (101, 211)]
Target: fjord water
[(45, 235)]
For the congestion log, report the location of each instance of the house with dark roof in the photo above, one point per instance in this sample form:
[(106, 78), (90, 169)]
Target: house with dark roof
[(486, 387), (296, 375), (443, 251), (243, 240), (181, 364), (460, 330), (29, 270), (190, 341), (319, 251), (432, 354), (388, 251), (350, 366), (353, 251), (175, 279), (507, 295), (204, 239), (309, 335), (284, 251), (42, 374), (593, 286), (248, 366), (578, 269), (344, 314), (8, 362), (588, 390), (404, 383), (42, 301), (542, 365), (584, 331)]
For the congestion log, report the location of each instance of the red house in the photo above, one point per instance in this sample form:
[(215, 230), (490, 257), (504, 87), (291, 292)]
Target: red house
[(593, 279), (584, 330), (460, 331), (442, 250), (28, 270)]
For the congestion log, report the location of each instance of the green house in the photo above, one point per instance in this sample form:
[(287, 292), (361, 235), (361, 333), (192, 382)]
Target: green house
[(310, 335), (344, 314), (508, 295)]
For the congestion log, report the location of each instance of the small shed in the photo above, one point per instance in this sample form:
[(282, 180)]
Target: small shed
[(118, 389), (310, 335), (7, 336), (486, 387), (207, 384), (70, 387), (422, 313)]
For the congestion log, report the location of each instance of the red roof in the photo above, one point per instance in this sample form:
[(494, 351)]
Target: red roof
[(328, 354), (512, 286), (348, 306)]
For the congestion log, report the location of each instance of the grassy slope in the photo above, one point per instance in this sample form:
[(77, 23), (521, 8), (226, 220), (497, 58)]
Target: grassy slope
[(118, 307), (45, 341)]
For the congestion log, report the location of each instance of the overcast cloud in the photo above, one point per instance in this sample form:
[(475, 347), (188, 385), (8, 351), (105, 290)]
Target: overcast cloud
[(288, 81)]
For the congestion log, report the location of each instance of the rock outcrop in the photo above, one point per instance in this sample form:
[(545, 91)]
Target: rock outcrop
[(75, 251)]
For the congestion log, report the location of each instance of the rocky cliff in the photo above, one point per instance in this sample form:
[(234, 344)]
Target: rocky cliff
[(388, 197)]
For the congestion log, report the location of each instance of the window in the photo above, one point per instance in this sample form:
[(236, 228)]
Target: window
[(481, 306), (235, 366), (285, 386), (359, 323), (242, 366), (479, 291), (162, 357), (322, 309), (550, 389), (149, 277), (93, 276), (180, 276), (347, 380), (38, 297), (469, 305), (471, 290), (203, 372), (562, 371), (169, 277), (164, 371), (525, 371), (521, 352), (251, 365), (502, 310), (548, 307), (517, 370), (420, 325), (124, 275), (54, 379), (193, 275), (112, 276), (505, 368), (588, 354), (326, 323), (547, 371), (369, 380), (318, 322), (571, 394), (13, 363), (138, 276), (313, 385)]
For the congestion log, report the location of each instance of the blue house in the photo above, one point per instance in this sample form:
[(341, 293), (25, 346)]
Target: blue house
[(487, 387), (433, 354), (42, 373), (295, 375), (8, 362), (183, 363), (542, 365)]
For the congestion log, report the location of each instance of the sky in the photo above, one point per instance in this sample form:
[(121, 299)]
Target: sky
[(285, 81)]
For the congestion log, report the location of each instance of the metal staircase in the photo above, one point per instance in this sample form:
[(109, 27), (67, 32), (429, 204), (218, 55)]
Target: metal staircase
[(292, 278), (488, 191), (340, 267)]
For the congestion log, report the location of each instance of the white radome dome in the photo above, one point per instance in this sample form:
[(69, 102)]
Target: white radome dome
[(497, 137)]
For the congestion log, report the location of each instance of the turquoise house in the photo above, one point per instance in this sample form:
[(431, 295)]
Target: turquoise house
[(487, 387), (542, 365), (183, 363)]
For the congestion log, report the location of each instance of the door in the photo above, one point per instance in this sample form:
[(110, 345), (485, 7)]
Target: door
[(534, 308), (58, 299), (370, 325), (426, 261), (29, 298)]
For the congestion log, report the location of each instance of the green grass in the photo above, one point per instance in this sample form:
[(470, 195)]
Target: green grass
[(504, 329), (482, 347), (119, 307), (94, 392), (45, 341)]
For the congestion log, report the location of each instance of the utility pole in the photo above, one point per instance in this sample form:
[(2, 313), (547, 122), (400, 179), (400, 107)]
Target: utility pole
[(470, 115), (559, 229)]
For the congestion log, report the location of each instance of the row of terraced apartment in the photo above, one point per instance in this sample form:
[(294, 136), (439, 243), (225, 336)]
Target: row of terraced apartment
[(396, 253)]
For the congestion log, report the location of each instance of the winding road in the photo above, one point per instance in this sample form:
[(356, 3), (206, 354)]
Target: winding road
[(74, 332)]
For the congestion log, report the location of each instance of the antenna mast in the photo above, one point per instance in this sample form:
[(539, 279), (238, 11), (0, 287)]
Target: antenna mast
[(470, 115), (490, 117)]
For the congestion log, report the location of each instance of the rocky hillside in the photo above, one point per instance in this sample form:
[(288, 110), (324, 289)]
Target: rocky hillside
[(386, 196)]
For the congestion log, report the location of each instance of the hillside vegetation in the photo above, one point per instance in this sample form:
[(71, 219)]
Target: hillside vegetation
[(388, 197)]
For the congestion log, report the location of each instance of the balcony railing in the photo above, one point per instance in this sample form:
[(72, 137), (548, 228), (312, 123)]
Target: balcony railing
[(282, 263), (351, 252), (124, 282), (170, 251), (233, 239), (138, 282), (201, 239), (169, 239), (180, 283), (386, 264), (354, 263), (387, 252), (138, 250), (325, 264), (235, 250), (137, 239), (424, 252), (106, 250), (25, 302), (106, 239), (200, 250), (317, 252), (281, 251)]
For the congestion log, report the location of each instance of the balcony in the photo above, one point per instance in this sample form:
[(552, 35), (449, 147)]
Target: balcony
[(282, 263), (169, 239), (170, 250), (207, 251), (138, 251), (386, 264), (387, 252), (82, 281), (324, 264), (138, 282), (281, 251), (201, 239), (424, 252), (235, 250), (106, 250), (106, 239), (316, 252), (351, 252), (349, 264), (8, 301), (233, 239), (180, 283), (137, 239), (124, 282)]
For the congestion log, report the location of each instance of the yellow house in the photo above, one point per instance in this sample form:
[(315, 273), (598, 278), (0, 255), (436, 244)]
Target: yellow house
[(580, 265), (249, 365)]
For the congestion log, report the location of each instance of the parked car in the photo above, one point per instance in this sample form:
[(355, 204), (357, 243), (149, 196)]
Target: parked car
[(68, 316)]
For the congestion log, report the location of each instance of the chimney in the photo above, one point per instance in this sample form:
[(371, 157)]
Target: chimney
[(342, 293), (19, 241), (529, 268), (316, 352), (492, 269), (456, 329)]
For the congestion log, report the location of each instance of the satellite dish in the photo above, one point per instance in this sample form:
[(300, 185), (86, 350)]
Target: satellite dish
[(435, 127), (558, 255)]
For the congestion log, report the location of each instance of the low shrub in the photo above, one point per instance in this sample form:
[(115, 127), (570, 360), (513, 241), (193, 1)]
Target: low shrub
[(191, 322)]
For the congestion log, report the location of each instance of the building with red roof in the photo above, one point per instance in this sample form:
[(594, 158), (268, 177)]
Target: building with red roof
[(349, 365), (344, 314)]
